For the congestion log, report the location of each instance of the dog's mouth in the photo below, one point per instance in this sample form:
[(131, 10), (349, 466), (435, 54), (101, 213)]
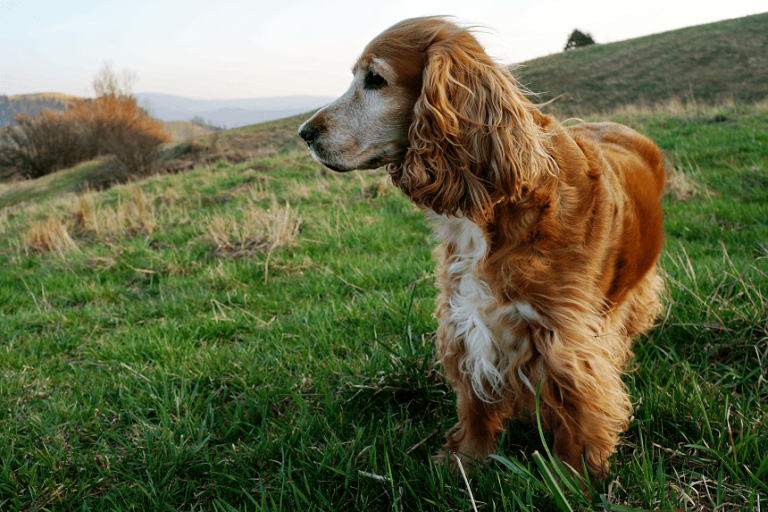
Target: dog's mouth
[(372, 163), (334, 168), (321, 158)]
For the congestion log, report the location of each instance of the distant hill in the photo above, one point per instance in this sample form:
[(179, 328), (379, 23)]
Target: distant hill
[(184, 130), (166, 107), (31, 104), (228, 113), (708, 63)]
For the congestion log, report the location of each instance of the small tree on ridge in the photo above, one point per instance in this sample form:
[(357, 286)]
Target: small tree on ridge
[(578, 39)]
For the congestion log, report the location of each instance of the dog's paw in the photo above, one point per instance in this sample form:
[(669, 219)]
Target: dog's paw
[(457, 461)]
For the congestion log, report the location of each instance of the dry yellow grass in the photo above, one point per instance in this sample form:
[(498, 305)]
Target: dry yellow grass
[(133, 214), (681, 186), (49, 236), (85, 214), (304, 190), (170, 196), (681, 183), (673, 107), (257, 230), (378, 188)]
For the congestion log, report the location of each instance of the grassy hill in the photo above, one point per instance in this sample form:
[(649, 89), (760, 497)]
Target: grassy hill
[(256, 334), (238, 145), (709, 63)]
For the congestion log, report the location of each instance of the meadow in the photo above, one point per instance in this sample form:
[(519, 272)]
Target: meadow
[(259, 336)]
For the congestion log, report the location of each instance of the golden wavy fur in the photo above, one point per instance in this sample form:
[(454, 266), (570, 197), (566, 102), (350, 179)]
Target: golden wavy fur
[(549, 235)]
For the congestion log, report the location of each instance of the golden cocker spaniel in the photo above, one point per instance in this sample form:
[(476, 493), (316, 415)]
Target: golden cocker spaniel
[(549, 234)]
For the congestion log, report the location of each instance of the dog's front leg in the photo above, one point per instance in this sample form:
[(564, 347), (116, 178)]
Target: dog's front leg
[(479, 427)]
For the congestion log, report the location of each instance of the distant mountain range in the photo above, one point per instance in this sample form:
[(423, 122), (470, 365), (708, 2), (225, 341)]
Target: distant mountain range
[(228, 113), (166, 107)]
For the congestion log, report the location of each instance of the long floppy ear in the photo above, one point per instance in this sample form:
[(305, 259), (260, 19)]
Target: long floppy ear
[(474, 140)]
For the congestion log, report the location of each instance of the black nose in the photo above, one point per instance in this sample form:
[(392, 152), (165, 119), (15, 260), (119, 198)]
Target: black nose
[(309, 133)]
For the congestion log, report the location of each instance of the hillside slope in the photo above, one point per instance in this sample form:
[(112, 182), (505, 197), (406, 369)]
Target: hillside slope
[(259, 336), (263, 140), (707, 63)]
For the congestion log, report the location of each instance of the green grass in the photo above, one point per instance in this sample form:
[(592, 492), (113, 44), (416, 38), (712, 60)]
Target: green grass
[(711, 63), (72, 180), (152, 369)]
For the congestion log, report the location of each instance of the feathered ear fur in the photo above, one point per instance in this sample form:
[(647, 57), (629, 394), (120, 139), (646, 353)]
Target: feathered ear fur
[(474, 140)]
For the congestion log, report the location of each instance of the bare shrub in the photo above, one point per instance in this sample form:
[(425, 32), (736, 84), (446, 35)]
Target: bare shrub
[(43, 144), (107, 83), (50, 236)]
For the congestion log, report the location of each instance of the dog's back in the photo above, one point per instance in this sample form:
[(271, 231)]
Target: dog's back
[(638, 165), (629, 151)]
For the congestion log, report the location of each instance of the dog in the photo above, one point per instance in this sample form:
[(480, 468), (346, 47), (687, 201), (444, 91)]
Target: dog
[(549, 235)]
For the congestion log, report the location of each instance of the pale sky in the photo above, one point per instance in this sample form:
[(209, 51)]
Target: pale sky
[(228, 49)]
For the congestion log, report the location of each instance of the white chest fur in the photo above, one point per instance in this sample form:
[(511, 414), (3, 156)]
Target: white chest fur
[(477, 317), (471, 301)]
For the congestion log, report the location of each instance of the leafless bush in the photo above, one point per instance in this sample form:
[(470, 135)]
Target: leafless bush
[(107, 83), (43, 144)]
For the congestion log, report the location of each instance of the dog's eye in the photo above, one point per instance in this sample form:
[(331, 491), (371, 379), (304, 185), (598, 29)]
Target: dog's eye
[(373, 81)]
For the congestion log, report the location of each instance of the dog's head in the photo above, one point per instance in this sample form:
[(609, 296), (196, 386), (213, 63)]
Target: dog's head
[(454, 131)]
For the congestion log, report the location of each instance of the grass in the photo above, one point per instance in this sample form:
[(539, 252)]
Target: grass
[(258, 336), (710, 63), (239, 145), (71, 181)]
